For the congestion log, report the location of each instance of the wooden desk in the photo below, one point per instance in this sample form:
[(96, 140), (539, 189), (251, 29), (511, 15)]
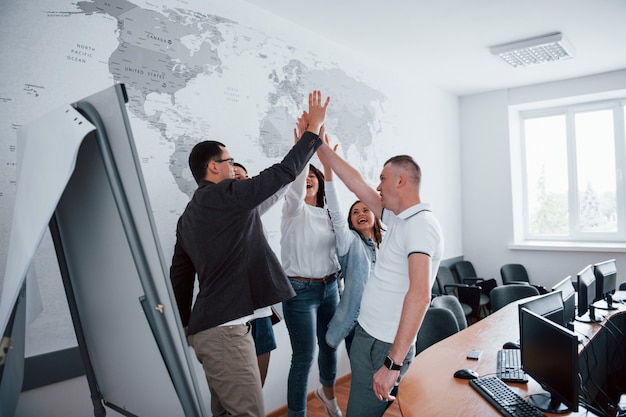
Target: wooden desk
[(430, 389)]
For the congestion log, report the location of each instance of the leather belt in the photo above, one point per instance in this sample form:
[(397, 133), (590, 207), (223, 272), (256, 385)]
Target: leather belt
[(329, 278)]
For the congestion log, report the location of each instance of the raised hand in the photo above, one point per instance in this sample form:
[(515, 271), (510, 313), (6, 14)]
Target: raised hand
[(326, 141), (317, 111), (328, 172), (301, 126)]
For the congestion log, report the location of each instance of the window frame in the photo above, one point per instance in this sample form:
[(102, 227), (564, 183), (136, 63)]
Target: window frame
[(575, 235)]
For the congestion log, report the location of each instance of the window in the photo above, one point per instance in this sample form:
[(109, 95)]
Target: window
[(572, 163)]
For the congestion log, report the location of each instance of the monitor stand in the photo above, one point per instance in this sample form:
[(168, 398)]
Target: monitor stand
[(590, 316), (544, 402), (606, 303)]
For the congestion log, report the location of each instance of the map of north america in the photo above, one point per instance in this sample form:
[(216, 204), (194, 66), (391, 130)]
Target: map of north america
[(162, 52)]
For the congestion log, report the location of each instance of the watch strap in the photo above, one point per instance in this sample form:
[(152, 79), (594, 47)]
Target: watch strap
[(389, 364)]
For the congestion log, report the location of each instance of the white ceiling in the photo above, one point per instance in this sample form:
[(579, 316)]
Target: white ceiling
[(446, 42)]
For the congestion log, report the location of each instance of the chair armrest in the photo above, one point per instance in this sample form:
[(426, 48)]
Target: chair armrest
[(445, 287), (472, 280)]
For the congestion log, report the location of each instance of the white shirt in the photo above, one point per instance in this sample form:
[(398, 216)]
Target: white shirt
[(307, 240), (415, 230)]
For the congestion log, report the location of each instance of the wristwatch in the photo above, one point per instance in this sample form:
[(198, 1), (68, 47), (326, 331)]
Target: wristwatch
[(392, 366)]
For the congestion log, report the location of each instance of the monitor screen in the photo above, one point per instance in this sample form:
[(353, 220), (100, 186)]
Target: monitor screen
[(586, 289), (549, 354), (568, 294), (549, 305), (606, 281)]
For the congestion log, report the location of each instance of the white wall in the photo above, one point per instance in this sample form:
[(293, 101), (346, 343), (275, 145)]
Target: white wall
[(423, 122), (486, 182)]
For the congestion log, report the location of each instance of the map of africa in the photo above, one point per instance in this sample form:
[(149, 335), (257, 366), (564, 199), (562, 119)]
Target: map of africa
[(193, 71)]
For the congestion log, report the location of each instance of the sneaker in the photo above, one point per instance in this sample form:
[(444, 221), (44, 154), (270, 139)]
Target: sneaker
[(332, 409)]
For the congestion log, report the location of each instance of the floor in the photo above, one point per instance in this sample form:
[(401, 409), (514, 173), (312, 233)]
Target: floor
[(342, 390)]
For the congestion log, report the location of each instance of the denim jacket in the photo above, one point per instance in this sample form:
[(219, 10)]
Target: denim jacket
[(357, 257), (356, 266)]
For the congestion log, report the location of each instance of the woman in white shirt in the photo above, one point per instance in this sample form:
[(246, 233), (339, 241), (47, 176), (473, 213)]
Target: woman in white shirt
[(309, 257)]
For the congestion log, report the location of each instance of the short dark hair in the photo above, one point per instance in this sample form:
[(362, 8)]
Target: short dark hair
[(237, 164), (407, 163), (320, 198), (378, 227), (200, 156)]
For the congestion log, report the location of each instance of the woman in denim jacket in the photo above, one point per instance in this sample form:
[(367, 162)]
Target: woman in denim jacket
[(357, 242)]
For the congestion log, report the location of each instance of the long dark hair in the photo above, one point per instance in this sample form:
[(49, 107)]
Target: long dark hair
[(378, 227), (320, 198)]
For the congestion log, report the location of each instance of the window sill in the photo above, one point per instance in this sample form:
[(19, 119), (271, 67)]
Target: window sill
[(569, 246)]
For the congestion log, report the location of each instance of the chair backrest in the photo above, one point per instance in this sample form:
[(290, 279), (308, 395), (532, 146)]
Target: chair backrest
[(444, 277), (505, 294), (512, 273), (436, 288), (622, 286), (454, 305), (438, 324), (463, 269)]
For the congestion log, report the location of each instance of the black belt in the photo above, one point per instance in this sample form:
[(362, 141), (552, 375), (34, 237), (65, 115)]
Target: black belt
[(326, 279)]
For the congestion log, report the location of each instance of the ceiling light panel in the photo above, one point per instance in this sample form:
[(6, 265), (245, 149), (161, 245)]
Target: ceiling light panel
[(540, 50)]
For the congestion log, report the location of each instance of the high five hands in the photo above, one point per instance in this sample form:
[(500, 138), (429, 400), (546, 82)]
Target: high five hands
[(314, 119)]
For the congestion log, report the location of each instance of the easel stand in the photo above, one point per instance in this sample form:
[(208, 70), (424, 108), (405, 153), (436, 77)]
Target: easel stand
[(123, 310)]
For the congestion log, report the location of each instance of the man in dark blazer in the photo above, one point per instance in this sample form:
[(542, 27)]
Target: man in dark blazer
[(220, 238)]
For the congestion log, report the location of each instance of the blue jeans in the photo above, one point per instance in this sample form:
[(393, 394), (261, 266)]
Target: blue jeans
[(307, 315), (367, 356), (263, 335)]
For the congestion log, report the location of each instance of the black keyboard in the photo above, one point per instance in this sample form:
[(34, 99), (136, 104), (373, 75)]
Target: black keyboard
[(503, 398), (509, 368)]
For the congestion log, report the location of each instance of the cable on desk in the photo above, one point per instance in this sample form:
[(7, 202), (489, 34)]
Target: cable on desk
[(588, 407), (591, 348), (617, 341), (615, 327)]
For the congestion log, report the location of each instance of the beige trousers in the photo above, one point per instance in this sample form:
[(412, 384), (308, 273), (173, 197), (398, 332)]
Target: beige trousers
[(228, 357)]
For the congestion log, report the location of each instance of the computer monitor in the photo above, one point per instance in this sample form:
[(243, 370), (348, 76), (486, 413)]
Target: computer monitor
[(586, 295), (549, 305), (606, 283), (568, 294), (549, 354)]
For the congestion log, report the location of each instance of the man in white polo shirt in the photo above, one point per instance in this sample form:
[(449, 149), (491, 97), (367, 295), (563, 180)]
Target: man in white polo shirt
[(397, 293)]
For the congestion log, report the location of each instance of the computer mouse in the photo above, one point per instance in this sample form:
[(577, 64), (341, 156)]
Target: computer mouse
[(510, 345), (466, 374)]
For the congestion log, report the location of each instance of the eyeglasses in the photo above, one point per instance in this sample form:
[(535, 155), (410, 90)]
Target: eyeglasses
[(231, 161)]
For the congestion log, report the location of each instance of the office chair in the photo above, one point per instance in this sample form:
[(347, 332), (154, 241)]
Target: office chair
[(465, 273), (454, 305), (505, 294), (517, 274), (469, 296), (514, 274), (438, 324), (622, 286)]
